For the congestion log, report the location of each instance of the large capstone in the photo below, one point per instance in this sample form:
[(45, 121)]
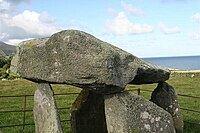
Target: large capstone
[(87, 113), (77, 58), (45, 113), (165, 96), (129, 113)]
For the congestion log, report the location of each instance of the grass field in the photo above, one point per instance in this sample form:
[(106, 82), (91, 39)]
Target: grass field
[(183, 84)]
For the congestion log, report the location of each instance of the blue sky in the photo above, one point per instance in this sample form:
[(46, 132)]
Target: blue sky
[(145, 28)]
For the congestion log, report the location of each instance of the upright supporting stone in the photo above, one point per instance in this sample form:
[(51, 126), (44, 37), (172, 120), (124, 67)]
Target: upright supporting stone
[(45, 113), (165, 96), (129, 113), (87, 113)]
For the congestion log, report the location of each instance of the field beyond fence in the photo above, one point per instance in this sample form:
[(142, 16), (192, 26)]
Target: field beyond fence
[(16, 98)]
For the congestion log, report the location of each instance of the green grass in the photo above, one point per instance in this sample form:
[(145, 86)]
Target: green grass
[(182, 84), (24, 87)]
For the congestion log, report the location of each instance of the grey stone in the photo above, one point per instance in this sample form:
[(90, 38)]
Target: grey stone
[(150, 73), (165, 96), (45, 113), (87, 113), (129, 113), (77, 58)]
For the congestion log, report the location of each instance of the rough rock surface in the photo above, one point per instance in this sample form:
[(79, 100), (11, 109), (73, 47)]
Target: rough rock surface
[(129, 113), (77, 58), (87, 113), (45, 113), (165, 96)]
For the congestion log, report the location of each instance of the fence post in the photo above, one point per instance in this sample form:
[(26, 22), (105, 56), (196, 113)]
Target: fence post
[(138, 91), (24, 116)]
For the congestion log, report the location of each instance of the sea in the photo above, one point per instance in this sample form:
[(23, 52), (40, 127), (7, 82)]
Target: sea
[(180, 62)]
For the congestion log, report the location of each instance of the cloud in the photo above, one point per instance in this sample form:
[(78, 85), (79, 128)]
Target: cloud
[(165, 1), (16, 25), (17, 1), (196, 17), (28, 24), (16, 41), (128, 8), (10, 6), (5, 7), (194, 35), (111, 11), (33, 23), (121, 25), (168, 30)]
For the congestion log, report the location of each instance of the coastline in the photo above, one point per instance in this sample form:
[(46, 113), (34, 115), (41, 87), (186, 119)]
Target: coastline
[(183, 71), (183, 63)]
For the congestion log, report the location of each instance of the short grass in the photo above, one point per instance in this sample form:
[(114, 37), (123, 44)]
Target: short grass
[(183, 85)]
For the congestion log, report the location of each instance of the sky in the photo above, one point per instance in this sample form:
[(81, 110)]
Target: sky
[(145, 28)]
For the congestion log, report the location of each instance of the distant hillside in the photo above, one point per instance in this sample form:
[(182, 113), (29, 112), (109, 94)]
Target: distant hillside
[(2, 54), (7, 49)]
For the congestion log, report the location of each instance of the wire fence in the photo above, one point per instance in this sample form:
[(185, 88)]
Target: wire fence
[(25, 110)]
